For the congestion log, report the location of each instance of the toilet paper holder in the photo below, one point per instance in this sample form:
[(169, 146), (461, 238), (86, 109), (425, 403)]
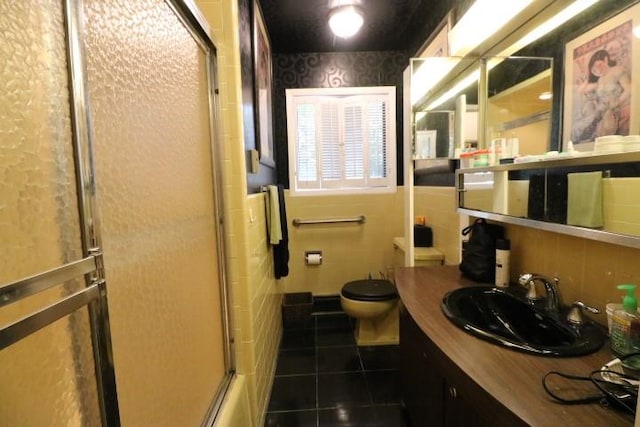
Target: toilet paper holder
[(313, 257)]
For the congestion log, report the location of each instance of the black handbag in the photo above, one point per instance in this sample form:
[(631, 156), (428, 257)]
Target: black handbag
[(479, 252)]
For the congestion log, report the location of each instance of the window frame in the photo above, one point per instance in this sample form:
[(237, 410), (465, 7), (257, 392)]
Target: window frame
[(342, 97)]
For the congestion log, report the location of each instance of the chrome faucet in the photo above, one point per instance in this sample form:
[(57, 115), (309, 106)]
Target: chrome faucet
[(550, 285)]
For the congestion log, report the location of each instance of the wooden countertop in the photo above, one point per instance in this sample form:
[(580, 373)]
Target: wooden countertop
[(511, 377)]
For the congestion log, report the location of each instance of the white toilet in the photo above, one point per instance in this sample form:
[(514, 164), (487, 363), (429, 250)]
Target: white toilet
[(374, 305)]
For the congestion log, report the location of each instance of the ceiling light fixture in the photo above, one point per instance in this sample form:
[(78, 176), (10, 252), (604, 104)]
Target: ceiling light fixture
[(345, 21)]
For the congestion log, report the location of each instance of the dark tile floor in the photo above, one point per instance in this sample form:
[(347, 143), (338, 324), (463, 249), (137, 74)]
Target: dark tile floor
[(324, 380)]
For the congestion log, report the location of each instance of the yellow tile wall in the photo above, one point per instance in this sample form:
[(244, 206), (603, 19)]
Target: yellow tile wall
[(438, 205), (620, 201), (266, 299), (254, 290), (588, 270), (479, 199), (350, 251)]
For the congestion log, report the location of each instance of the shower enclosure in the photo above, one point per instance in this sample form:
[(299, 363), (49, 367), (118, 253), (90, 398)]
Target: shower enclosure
[(113, 308)]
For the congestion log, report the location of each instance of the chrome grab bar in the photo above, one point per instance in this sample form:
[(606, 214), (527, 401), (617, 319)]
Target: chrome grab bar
[(297, 222)]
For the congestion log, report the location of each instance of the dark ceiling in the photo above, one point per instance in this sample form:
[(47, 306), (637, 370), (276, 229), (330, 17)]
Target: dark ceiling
[(297, 26)]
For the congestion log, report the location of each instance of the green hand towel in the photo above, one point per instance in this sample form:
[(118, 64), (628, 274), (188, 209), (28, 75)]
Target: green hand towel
[(584, 205)]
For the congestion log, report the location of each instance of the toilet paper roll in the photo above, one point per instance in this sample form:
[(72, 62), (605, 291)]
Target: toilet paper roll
[(313, 259)]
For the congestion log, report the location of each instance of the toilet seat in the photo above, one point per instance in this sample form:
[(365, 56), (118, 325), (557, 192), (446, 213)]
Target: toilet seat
[(370, 290)]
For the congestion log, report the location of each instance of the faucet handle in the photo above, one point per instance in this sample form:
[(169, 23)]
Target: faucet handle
[(532, 295), (526, 281), (575, 315)]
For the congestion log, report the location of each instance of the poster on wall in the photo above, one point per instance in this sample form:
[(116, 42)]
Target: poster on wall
[(262, 78), (601, 71)]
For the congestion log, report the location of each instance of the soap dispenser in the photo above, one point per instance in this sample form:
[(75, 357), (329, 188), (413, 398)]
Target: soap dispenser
[(625, 328)]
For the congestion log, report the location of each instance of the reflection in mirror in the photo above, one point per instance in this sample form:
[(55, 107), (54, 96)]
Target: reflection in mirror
[(436, 81), (478, 191), (602, 196), (435, 132), (519, 105), (436, 106)]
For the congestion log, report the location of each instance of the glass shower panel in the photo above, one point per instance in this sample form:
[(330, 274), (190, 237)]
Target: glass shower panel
[(47, 378), (149, 98), (39, 220)]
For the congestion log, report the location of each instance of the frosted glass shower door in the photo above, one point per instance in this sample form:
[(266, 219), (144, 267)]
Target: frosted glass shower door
[(47, 375), (149, 96)]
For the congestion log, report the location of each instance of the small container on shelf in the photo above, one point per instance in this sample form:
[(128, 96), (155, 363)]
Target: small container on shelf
[(466, 160), (481, 158)]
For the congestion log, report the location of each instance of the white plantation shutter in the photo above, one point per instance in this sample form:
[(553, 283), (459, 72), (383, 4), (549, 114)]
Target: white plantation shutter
[(353, 142), (329, 142), (306, 147), (341, 140), (377, 140)]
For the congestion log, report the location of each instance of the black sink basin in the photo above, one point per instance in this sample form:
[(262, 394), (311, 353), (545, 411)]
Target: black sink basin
[(503, 318)]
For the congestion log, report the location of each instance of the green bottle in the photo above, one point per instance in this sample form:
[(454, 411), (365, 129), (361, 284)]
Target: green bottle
[(625, 328)]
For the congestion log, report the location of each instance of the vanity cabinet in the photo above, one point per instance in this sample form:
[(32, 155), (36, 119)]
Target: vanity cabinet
[(451, 378), (422, 383), (436, 392)]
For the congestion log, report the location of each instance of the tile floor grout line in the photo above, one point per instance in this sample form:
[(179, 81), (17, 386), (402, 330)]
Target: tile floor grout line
[(374, 357)]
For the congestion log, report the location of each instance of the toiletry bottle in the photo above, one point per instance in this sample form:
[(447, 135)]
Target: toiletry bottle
[(625, 325), (502, 262), (514, 146)]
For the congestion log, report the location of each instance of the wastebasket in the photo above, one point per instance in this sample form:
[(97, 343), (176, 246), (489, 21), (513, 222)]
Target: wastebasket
[(296, 309)]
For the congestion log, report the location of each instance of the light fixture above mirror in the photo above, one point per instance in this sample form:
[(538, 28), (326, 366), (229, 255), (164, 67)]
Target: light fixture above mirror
[(483, 19)]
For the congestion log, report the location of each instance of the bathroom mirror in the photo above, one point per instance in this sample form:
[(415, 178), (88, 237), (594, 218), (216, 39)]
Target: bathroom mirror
[(594, 196), (514, 43), (434, 132), (439, 83), (519, 102)]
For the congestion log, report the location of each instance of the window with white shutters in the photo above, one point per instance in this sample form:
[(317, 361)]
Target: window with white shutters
[(341, 140)]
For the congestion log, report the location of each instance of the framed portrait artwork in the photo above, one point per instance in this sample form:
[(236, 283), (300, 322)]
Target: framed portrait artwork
[(262, 82), (601, 72)]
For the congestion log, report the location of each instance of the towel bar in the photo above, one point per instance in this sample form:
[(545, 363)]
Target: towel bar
[(297, 222)]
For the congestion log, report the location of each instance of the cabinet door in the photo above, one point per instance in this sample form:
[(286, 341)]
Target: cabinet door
[(459, 410), (421, 379), (436, 392), (467, 404)]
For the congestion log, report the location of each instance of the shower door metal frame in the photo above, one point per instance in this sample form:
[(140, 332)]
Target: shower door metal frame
[(94, 295)]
